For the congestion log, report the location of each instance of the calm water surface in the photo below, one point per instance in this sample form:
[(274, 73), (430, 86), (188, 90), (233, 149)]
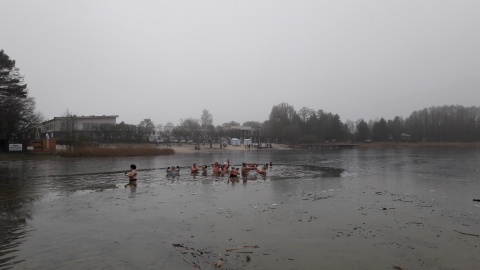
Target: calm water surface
[(75, 213)]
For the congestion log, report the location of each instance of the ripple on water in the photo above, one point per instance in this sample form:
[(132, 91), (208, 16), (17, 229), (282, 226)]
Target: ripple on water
[(12, 233)]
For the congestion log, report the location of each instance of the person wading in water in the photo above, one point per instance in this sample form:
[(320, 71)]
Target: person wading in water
[(132, 176)]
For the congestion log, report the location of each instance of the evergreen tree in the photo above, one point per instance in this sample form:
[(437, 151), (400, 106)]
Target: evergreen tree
[(380, 130), (363, 132), (17, 109)]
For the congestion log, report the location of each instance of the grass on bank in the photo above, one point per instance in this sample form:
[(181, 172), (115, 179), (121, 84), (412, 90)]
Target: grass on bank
[(122, 151)]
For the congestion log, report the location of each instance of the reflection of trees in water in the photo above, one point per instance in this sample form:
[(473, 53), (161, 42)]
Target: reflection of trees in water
[(11, 235), (15, 195), (13, 222), (18, 193)]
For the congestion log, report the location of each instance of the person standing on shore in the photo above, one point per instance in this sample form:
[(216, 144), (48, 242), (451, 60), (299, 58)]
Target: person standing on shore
[(132, 176)]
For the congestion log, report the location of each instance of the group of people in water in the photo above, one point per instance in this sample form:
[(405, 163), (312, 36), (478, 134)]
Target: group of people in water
[(217, 170), (231, 171)]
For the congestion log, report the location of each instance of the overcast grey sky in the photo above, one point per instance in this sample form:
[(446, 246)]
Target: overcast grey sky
[(169, 60)]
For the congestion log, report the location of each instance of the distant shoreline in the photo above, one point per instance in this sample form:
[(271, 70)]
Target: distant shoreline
[(164, 149), (190, 148), (418, 144), (186, 148)]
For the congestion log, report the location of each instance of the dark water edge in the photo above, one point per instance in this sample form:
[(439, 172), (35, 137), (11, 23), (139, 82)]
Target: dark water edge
[(358, 209)]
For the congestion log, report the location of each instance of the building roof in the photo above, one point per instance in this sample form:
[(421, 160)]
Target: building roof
[(83, 117)]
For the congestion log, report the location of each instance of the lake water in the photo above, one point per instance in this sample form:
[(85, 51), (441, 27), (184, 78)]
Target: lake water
[(348, 209)]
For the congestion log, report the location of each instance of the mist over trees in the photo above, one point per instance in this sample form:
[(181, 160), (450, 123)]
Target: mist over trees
[(146, 128), (435, 124), (445, 123), (448, 123), (453, 123), (304, 126), (286, 125)]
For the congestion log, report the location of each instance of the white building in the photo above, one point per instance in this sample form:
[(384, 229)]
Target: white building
[(77, 123)]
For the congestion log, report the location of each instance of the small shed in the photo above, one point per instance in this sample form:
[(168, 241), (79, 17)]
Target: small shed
[(235, 141), (247, 141)]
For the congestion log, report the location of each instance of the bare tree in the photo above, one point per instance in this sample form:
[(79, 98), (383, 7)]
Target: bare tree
[(208, 130), (207, 118), (305, 113), (158, 132), (69, 128), (191, 127), (146, 128), (351, 126)]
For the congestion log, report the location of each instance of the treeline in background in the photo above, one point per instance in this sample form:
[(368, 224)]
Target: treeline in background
[(453, 123), (19, 119), (286, 125)]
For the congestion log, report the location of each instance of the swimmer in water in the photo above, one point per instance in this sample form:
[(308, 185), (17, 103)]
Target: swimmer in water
[(132, 176), (216, 168), (195, 168), (173, 171), (233, 175), (263, 170), (225, 167), (244, 169), (234, 172)]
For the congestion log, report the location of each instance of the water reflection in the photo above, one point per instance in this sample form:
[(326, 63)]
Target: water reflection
[(11, 235), (133, 189), (13, 216)]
